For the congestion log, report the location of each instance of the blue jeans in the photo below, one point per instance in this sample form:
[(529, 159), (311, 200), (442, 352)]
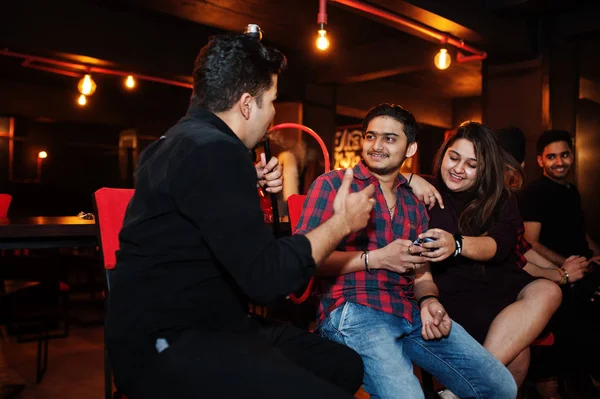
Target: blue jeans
[(389, 345)]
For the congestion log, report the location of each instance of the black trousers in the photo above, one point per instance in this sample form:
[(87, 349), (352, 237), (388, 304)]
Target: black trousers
[(576, 328), (275, 361)]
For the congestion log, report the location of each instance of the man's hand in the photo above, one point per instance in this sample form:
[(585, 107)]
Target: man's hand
[(435, 320), (269, 174), (576, 267), (426, 192), (399, 256), (353, 208)]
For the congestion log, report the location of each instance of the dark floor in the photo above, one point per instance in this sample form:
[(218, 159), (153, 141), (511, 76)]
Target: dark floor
[(75, 366)]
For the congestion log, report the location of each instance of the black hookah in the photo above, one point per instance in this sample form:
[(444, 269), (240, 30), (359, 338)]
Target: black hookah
[(254, 31)]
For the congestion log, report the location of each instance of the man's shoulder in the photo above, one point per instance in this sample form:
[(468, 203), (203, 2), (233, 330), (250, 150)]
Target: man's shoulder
[(333, 177), (197, 132), (536, 187), (191, 143)]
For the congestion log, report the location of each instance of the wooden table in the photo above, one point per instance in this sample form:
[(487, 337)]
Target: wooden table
[(47, 232)]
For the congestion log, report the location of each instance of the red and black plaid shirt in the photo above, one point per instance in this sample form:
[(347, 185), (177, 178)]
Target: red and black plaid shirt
[(382, 290), (522, 246)]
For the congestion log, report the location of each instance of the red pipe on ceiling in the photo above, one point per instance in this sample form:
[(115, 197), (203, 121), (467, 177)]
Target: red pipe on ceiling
[(414, 25), (29, 61), (322, 16)]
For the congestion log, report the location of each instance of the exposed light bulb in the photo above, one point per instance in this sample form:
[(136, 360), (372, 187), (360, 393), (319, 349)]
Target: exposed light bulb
[(130, 82), (322, 40), (82, 100), (42, 155), (86, 85), (442, 59)]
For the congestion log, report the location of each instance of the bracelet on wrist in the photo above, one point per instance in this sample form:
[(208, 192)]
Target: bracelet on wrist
[(562, 276), (365, 254), (458, 244), (424, 297), (565, 275)]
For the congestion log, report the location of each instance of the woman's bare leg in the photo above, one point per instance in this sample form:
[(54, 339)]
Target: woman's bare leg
[(519, 366), (515, 328)]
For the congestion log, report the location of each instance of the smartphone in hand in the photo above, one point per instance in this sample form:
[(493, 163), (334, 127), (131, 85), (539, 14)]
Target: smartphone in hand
[(420, 241)]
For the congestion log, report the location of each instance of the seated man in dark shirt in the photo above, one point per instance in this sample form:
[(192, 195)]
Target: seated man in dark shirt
[(194, 249), (554, 224), (551, 206)]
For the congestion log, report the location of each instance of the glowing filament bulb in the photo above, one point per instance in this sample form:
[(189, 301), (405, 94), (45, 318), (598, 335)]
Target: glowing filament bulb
[(442, 59), (86, 85), (130, 82), (322, 40)]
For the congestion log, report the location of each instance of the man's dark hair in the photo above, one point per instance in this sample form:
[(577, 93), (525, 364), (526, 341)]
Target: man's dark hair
[(552, 136), (411, 129), (512, 139), (231, 65)]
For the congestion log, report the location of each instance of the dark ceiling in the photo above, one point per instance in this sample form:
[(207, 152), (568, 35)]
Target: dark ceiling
[(146, 35), (363, 48), (366, 48)]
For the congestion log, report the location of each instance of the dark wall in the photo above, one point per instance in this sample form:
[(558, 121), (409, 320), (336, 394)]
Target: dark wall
[(466, 109), (82, 142), (431, 139), (588, 161), (513, 95), (81, 159)]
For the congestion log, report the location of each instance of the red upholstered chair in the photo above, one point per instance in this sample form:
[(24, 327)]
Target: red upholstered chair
[(5, 200), (111, 204), (295, 203)]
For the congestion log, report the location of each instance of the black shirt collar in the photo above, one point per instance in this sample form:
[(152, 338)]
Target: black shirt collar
[(196, 111), (553, 183)]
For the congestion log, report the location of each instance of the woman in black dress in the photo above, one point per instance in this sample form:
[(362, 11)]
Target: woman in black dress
[(473, 252)]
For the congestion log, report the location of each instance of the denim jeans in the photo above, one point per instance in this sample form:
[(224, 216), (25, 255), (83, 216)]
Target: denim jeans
[(389, 345)]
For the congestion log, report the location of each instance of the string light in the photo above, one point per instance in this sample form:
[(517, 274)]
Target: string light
[(82, 100), (442, 59), (86, 85), (42, 155), (322, 40), (130, 82)]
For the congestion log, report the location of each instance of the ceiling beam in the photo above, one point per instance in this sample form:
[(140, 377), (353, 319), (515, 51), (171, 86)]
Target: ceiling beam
[(467, 20), (234, 15), (428, 108), (379, 60), (579, 22), (145, 43)]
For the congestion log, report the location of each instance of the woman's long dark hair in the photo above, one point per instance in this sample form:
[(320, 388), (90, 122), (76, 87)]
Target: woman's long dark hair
[(489, 187)]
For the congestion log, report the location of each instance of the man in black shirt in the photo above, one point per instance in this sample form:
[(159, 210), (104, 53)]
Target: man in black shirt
[(554, 225), (194, 249), (551, 207)]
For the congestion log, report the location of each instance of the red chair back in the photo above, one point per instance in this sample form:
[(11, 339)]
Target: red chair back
[(111, 204), (5, 200), (295, 202)]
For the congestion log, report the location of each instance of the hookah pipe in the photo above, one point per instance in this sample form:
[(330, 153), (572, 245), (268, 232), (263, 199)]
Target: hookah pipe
[(273, 196), (254, 31)]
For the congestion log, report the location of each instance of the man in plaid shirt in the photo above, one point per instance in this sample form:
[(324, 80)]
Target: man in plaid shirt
[(379, 297)]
